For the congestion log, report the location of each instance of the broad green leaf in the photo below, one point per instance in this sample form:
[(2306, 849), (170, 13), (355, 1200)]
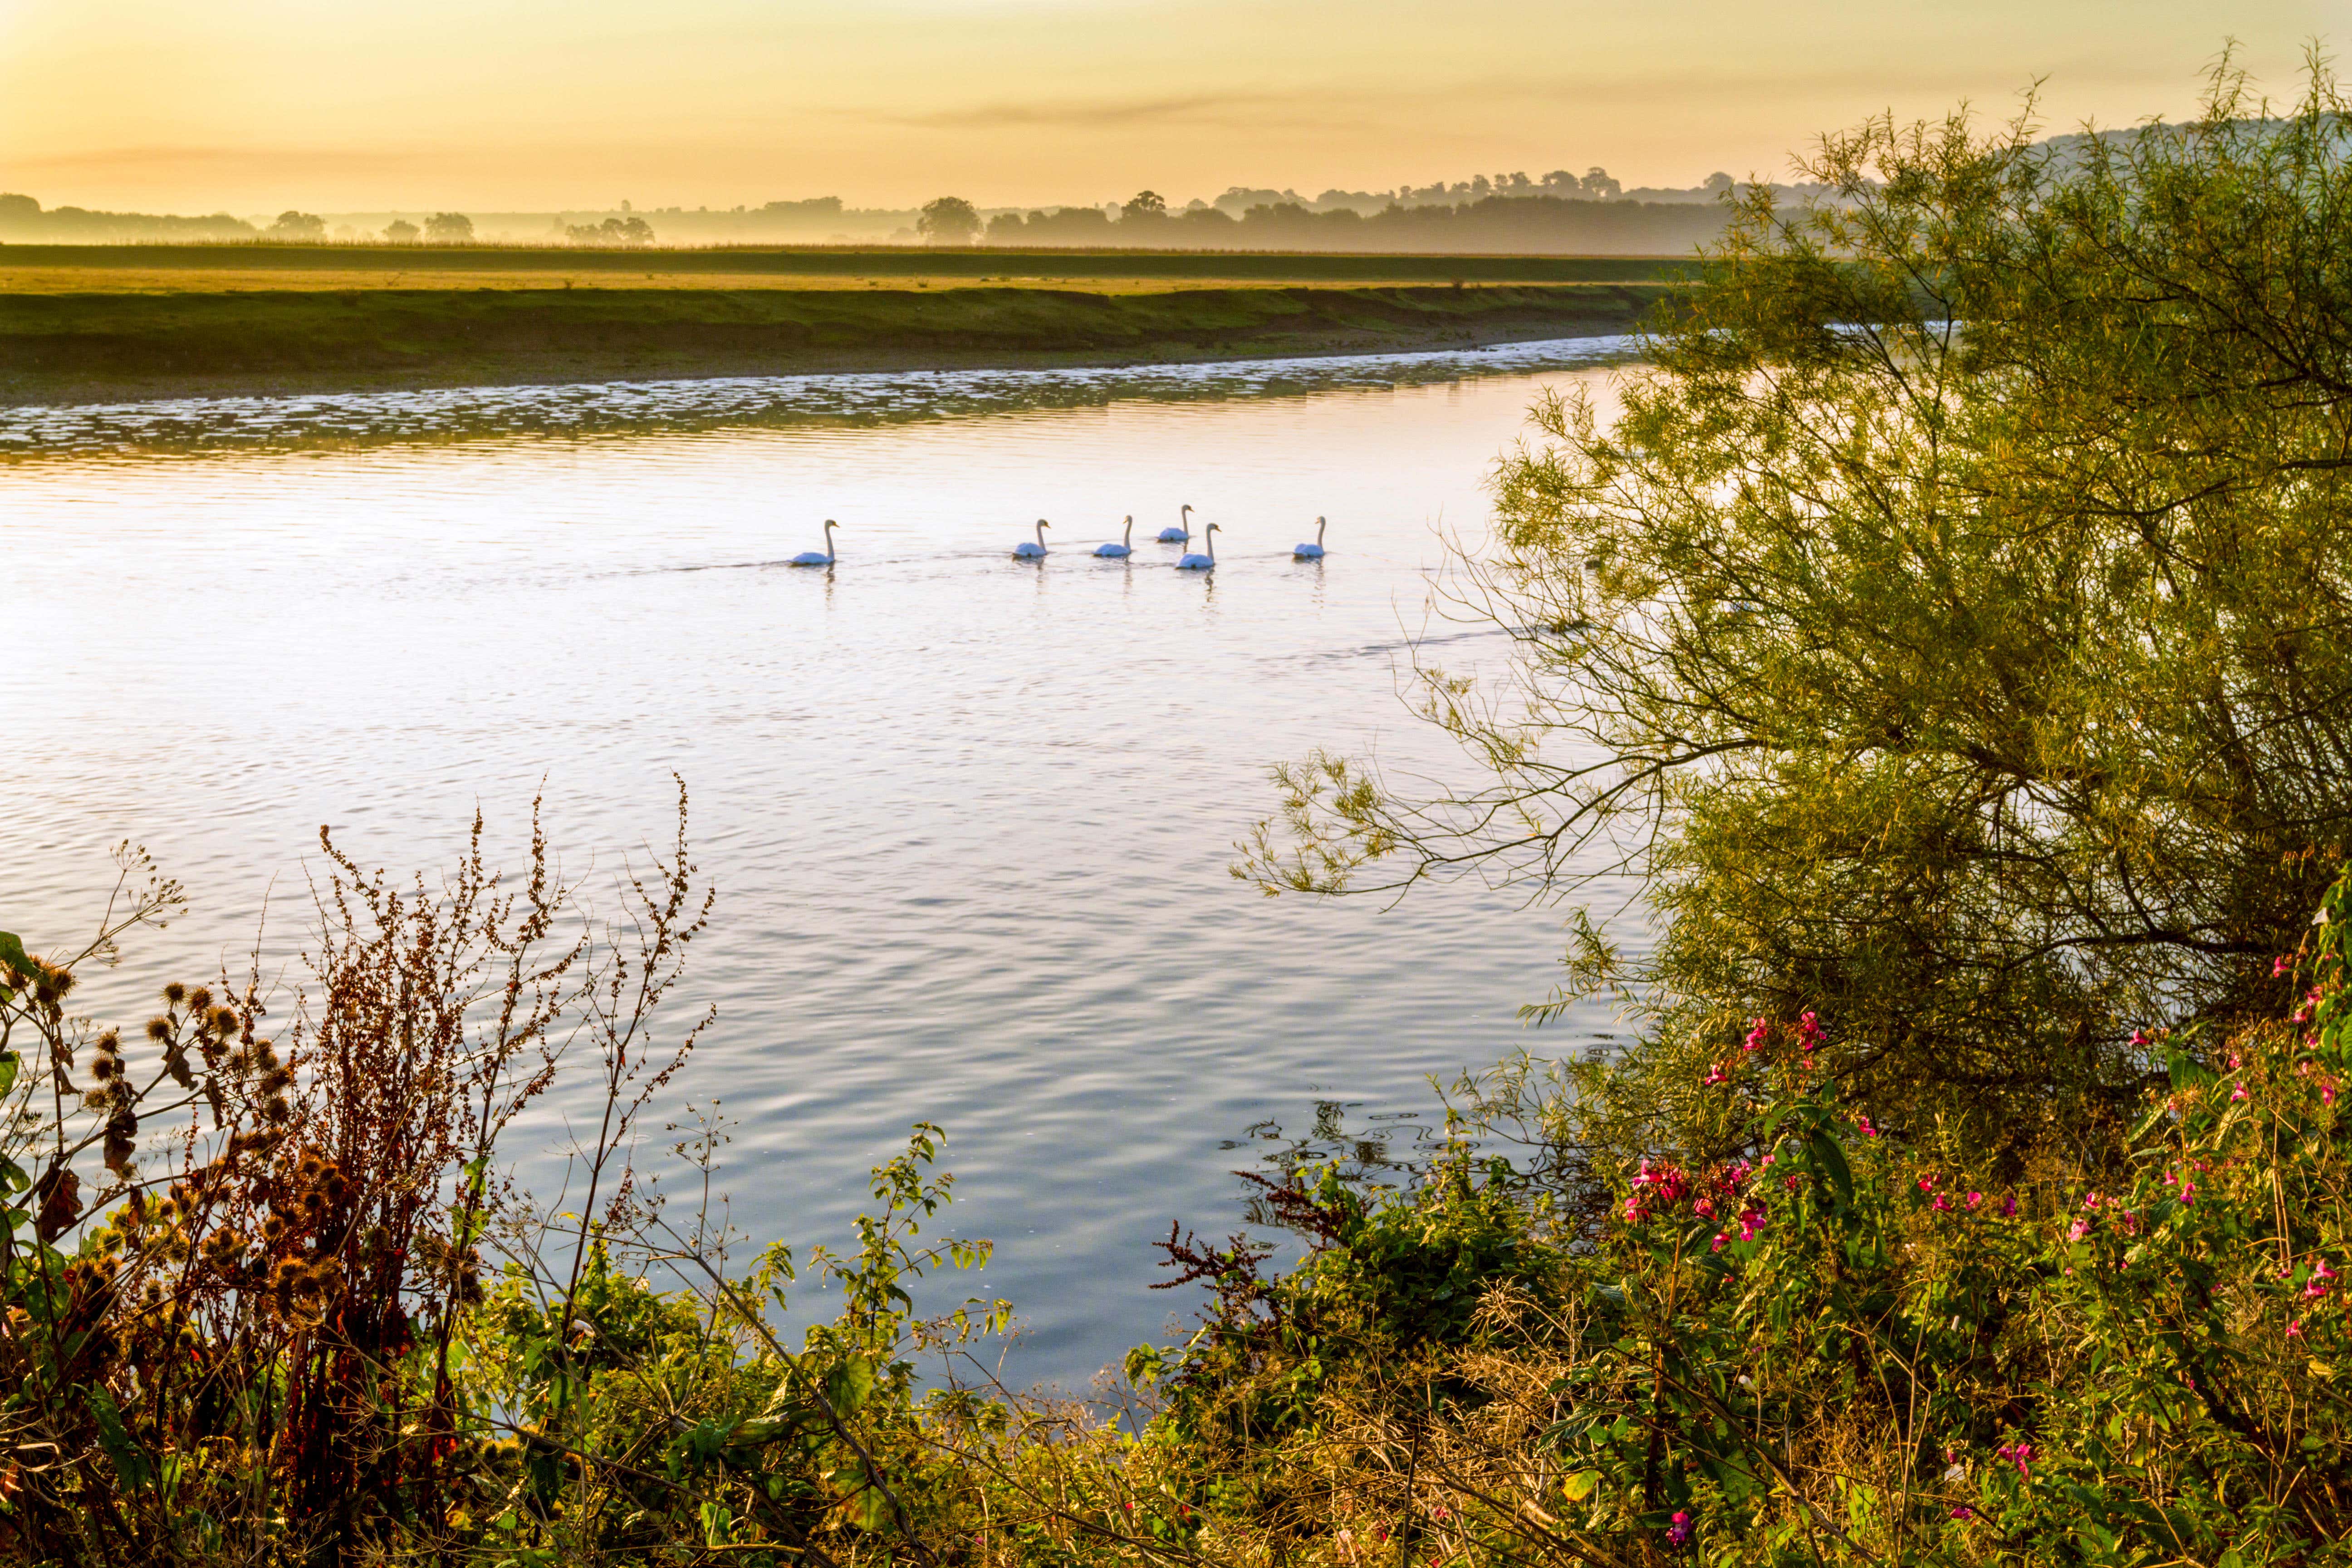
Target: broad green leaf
[(1831, 1159), (132, 1466)]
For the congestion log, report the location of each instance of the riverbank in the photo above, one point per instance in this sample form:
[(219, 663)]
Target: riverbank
[(92, 346)]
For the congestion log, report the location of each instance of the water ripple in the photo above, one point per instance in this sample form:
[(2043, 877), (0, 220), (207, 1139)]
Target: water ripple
[(868, 397)]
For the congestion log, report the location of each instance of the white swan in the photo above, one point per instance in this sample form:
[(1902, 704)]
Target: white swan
[(1311, 552), (1203, 562), (1025, 550), (1126, 545), (817, 557), (1178, 535)]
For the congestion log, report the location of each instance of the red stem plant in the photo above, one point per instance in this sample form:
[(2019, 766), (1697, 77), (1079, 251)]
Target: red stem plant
[(234, 1340)]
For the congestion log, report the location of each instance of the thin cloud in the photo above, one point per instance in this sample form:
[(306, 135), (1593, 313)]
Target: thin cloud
[(1220, 107)]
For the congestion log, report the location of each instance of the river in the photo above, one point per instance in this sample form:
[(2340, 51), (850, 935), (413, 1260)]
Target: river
[(970, 819)]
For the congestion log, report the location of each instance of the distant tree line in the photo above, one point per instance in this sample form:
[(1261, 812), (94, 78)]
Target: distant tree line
[(1536, 223), (22, 220), (612, 231)]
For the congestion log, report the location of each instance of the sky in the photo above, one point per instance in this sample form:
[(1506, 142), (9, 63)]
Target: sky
[(252, 106)]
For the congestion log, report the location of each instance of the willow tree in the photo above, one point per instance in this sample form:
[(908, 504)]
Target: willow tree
[(1949, 631)]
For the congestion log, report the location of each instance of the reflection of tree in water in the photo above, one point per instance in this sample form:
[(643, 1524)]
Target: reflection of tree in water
[(1390, 1153)]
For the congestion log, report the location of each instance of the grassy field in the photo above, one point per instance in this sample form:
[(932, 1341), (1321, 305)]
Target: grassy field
[(104, 323), (164, 269)]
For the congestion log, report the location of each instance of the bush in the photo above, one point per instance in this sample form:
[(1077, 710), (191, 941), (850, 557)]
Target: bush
[(1798, 1336), (266, 1297), (1951, 634)]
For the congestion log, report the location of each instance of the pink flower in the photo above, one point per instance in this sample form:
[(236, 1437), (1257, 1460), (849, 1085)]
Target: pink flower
[(1942, 1204), (2327, 1092), (2295, 1329), (2237, 1091), (1810, 1033), (1680, 1530), (2009, 1206), (1975, 1198), (1759, 1031), (2322, 1277), (2081, 1229), (2091, 1202), (1704, 1208), (2018, 1454), (1964, 1511), (1751, 1220), (1715, 1075), (2280, 965), (2188, 1195), (1720, 1238), (1926, 1183)]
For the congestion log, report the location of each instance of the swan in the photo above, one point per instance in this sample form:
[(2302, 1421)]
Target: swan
[(1025, 550), (1126, 545), (818, 557), (1178, 535), (1202, 562), (1311, 552)]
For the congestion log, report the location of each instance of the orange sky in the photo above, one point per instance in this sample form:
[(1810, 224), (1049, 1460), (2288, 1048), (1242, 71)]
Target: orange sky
[(250, 106)]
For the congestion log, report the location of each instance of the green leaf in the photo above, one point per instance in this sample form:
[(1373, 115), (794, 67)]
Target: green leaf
[(8, 1067), (132, 1466), (13, 956), (848, 1385), (1831, 1159)]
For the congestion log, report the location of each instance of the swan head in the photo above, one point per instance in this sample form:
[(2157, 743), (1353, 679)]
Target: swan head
[(830, 525), (1186, 508), (1213, 528)]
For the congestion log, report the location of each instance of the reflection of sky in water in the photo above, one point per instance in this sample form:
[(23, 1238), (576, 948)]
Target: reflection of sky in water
[(968, 818), (745, 400)]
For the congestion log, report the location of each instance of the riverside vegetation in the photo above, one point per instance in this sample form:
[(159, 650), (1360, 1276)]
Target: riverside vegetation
[(1953, 633)]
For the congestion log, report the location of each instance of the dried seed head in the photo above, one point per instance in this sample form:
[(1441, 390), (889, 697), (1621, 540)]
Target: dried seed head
[(200, 1000), (272, 1228), (50, 984), (174, 994), (224, 1022), (159, 1028), (103, 1066), (278, 1110)]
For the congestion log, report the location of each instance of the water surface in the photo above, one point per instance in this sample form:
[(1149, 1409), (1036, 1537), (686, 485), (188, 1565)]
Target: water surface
[(970, 819)]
